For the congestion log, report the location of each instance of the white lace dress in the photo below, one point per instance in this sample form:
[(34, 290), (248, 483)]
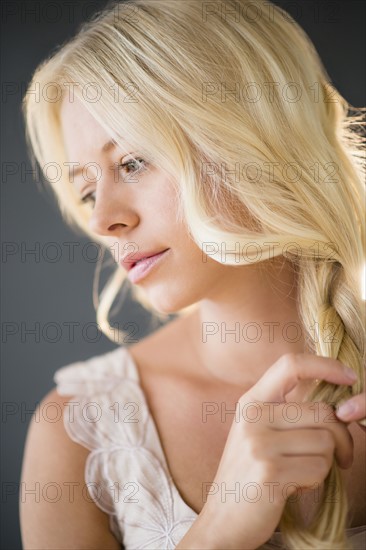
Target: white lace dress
[(126, 472)]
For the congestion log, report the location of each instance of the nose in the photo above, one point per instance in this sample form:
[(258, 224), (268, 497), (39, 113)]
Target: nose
[(111, 215)]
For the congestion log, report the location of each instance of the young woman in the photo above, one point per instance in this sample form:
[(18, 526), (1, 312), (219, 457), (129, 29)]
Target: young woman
[(203, 145)]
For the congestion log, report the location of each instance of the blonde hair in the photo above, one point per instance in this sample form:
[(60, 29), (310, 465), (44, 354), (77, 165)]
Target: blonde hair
[(163, 72)]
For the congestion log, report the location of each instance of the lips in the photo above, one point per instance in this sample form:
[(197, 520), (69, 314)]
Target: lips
[(135, 258)]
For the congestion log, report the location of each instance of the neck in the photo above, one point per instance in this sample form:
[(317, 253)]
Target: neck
[(238, 334)]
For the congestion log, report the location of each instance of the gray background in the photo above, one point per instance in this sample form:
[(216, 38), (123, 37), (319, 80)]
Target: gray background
[(45, 295)]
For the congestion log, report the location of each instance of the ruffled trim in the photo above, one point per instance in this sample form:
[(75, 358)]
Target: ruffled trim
[(98, 373), (125, 472)]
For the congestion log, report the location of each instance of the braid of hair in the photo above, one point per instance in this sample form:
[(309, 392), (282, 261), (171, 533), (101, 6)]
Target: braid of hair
[(334, 321)]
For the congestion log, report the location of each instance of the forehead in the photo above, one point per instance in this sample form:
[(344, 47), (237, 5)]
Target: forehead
[(80, 130)]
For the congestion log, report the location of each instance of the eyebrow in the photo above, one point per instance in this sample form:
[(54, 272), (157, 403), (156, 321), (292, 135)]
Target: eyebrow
[(111, 144)]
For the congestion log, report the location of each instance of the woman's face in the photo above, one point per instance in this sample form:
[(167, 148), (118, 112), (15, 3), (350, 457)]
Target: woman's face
[(141, 210)]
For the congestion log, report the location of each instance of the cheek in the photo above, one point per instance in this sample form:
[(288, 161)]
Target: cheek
[(189, 269), (185, 279), (188, 256)]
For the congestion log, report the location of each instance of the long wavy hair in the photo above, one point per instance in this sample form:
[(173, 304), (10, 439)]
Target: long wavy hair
[(202, 93)]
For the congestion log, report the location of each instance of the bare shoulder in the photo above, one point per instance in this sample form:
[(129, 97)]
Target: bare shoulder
[(62, 514)]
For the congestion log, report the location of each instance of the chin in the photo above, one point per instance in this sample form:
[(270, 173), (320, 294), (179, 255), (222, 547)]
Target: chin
[(169, 301)]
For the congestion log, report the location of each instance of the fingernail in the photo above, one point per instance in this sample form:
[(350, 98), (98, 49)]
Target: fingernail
[(346, 409), (350, 373)]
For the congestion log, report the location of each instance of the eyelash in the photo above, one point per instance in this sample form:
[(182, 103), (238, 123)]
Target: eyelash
[(88, 197)]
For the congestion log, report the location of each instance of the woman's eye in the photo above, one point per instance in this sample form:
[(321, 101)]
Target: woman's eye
[(133, 163), (90, 198)]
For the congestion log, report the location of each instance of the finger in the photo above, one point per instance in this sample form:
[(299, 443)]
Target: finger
[(303, 473), (353, 409), (301, 442), (323, 420), (290, 368)]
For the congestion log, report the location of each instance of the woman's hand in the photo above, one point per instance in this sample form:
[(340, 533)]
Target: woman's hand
[(274, 448)]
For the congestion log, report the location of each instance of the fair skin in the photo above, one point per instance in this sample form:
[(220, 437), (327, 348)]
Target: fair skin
[(179, 379)]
